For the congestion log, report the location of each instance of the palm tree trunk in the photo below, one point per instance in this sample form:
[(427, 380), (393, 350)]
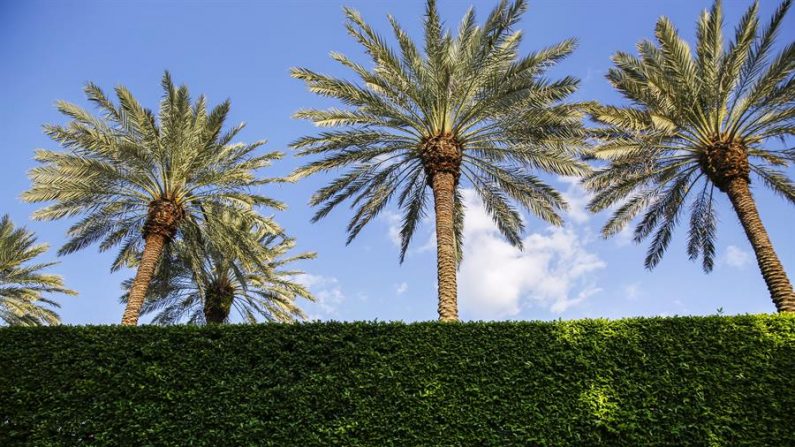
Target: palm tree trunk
[(773, 272), (444, 203), (146, 269)]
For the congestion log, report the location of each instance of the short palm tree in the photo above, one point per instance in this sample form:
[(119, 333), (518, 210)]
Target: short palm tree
[(466, 110), (139, 181), (698, 123), (22, 285), (203, 284)]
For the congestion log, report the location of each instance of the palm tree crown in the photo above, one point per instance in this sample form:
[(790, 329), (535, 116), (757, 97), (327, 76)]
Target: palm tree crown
[(22, 285), (140, 181), (205, 290), (697, 124), (467, 109)]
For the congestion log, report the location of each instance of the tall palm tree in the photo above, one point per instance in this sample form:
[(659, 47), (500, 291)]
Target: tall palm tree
[(22, 285), (466, 110), (140, 181), (698, 123), (205, 290)]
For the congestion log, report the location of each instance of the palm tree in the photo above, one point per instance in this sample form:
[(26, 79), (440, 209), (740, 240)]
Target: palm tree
[(466, 110), (22, 286), (204, 284), (697, 123), (139, 180)]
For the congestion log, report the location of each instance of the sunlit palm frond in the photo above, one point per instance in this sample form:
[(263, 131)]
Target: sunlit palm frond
[(472, 85), (261, 284), (117, 163), (24, 288), (684, 103)]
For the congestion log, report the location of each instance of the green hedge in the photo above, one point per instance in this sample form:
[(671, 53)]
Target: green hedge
[(661, 381)]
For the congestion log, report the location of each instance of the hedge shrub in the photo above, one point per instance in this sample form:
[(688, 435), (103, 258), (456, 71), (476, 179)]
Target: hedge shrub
[(659, 381)]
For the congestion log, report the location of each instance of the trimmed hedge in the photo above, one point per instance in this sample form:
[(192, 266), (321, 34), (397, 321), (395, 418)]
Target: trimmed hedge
[(660, 381)]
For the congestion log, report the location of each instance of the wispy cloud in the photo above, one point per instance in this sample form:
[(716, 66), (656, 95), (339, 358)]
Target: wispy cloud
[(736, 257), (424, 231), (577, 198), (392, 220), (329, 296), (632, 291), (401, 288), (624, 237)]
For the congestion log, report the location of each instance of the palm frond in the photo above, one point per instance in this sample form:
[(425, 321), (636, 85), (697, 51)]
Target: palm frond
[(128, 157), (472, 84), (24, 288), (681, 105)]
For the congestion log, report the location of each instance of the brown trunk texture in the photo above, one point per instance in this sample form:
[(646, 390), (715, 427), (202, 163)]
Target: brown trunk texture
[(161, 224), (146, 269), (773, 272), (444, 203)]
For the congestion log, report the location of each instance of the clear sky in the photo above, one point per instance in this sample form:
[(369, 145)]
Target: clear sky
[(243, 50)]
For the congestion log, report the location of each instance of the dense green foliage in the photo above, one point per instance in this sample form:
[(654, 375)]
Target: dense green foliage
[(661, 381)]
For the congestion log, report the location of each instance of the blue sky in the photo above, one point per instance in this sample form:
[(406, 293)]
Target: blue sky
[(243, 50)]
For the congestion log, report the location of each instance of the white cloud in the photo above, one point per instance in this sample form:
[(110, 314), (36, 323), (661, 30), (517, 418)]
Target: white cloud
[(424, 229), (401, 288), (736, 257), (328, 296), (496, 280), (624, 237), (632, 291), (393, 223), (430, 239), (577, 198)]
